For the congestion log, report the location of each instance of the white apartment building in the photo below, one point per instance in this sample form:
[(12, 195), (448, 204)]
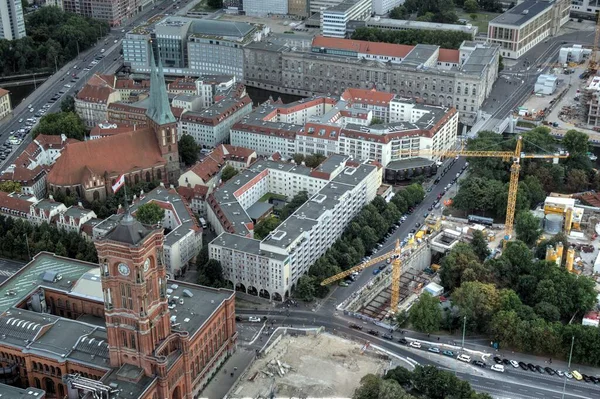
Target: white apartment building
[(527, 24), (326, 125), (381, 7), (263, 8), (211, 126), (73, 218), (183, 242), (317, 6), (271, 268), (12, 23), (334, 20)]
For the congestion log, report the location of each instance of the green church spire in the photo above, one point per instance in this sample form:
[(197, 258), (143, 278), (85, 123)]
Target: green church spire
[(159, 110)]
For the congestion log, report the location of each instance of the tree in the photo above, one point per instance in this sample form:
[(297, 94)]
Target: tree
[(369, 387), (67, 123), (314, 160), (213, 270), (527, 227), (215, 4), (149, 213), (444, 39), (202, 257), (297, 201), (298, 158), (399, 12), (576, 142), (478, 302), (425, 314), (455, 263), (228, 172), (188, 149), (305, 290), (470, 6), (376, 121), (67, 104), (478, 194), (480, 245), (577, 181), (265, 226), (10, 186)]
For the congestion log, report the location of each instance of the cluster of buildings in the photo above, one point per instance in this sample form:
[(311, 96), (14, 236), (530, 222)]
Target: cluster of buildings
[(271, 267), (117, 329), (362, 124), (300, 8)]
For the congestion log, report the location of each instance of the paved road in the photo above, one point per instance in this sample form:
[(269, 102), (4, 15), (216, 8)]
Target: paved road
[(514, 383)]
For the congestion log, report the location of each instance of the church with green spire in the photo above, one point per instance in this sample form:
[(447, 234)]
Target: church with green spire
[(90, 168)]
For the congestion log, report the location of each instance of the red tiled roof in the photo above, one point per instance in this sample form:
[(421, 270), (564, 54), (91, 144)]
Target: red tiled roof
[(96, 94), (229, 151), (114, 155), (448, 55), (365, 96), (207, 168), (3, 92), (111, 131), (284, 133), (102, 80), (131, 84), (363, 47), (189, 193), (8, 203), (276, 156)]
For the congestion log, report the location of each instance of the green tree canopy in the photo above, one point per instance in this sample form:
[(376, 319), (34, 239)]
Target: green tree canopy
[(10, 186), (314, 160), (445, 39), (67, 104), (211, 274), (453, 265), (265, 226), (470, 6), (478, 302), (576, 142), (228, 172), (188, 149), (149, 213), (55, 124), (528, 227), (426, 314), (480, 245)]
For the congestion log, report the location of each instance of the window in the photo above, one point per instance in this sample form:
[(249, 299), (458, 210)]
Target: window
[(124, 339)]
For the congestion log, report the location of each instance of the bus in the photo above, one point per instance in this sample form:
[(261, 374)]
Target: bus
[(481, 220)]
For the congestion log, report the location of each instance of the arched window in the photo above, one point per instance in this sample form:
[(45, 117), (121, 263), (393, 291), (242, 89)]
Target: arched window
[(169, 148), (37, 383), (68, 191), (136, 178), (50, 387)]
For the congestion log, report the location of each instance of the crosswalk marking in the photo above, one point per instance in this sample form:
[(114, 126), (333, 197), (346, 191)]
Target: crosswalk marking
[(6, 273)]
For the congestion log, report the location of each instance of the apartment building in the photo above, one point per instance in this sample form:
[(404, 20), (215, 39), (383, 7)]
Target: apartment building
[(5, 107), (334, 20), (114, 12), (402, 24), (460, 78), (12, 23), (585, 8), (211, 126), (362, 124), (317, 6), (92, 101), (382, 7), (263, 8), (270, 268), (527, 24), (191, 47)]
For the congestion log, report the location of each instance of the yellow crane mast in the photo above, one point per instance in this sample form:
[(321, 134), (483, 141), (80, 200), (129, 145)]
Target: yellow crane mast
[(593, 66), (396, 253)]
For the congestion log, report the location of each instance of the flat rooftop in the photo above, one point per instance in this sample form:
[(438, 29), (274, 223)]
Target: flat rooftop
[(409, 163), (522, 13), (406, 24), (10, 392)]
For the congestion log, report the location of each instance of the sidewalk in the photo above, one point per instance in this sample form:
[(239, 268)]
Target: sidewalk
[(220, 385)]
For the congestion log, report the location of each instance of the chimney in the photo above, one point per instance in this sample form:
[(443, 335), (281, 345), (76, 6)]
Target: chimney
[(79, 204)]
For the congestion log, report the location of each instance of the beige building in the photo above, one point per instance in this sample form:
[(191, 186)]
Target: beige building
[(298, 8), (460, 78), (529, 23), (5, 108), (92, 101)]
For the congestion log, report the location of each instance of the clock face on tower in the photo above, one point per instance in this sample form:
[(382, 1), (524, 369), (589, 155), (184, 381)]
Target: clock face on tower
[(147, 264), (123, 269)]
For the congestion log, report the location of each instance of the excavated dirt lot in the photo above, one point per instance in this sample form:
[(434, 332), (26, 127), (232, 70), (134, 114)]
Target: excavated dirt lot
[(314, 366)]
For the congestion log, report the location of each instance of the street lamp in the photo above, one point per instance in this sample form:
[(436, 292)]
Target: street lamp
[(464, 329), (568, 367), (27, 244)]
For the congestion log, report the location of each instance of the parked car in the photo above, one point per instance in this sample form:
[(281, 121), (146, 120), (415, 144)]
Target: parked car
[(373, 332), (415, 344), (403, 341), (254, 319), (434, 349), (464, 358), (498, 367), (550, 370), (531, 366), (539, 369), (479, 363), (523, 365), (448, 353), (514, 363), (388, 336), (355, 326), (497, 360)]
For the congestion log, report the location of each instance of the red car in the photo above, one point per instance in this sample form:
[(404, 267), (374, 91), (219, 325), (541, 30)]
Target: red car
[(443, 299)]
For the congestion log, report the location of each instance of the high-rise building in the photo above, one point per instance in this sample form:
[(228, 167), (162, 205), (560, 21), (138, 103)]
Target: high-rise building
[(12, 24)]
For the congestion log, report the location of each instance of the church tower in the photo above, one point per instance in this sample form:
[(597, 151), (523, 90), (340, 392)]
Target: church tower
[(161, 119), (134, 285)]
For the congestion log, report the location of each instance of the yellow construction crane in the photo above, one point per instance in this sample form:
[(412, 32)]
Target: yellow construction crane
[(506, 156), (396, 253), (593, 66)]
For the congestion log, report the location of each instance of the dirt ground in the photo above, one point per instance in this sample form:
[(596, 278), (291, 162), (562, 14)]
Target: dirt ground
[(319, 366)]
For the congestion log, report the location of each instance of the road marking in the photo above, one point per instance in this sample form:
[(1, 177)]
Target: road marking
[(6, 273)]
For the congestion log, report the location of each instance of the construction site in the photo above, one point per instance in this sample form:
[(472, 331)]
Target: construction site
[(309, 364)]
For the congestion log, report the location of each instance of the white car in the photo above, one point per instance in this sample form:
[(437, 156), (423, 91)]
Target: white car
[(464, 358), (514, 363), (498, 367), (68, 85), (415, 344), (253, 319), (569, 375), (21, 120)]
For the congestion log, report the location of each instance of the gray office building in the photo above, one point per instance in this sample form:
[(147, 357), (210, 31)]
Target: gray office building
[(12, 24), (191, 47)]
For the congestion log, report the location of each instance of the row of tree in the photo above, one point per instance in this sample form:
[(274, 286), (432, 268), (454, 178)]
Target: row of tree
[(19, 239), (424, 382), (525, 303), (442, 38), (485, 190), (360, 237), (210, 271), (54, 37)]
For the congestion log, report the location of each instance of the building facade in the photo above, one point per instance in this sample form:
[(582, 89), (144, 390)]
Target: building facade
[(527, 24), (585, 8), (298, 8), (12, 23), (114, 12), (460, 78), (382, 7), (5, 107), (263, 8), (271, 268), (334, 20)]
